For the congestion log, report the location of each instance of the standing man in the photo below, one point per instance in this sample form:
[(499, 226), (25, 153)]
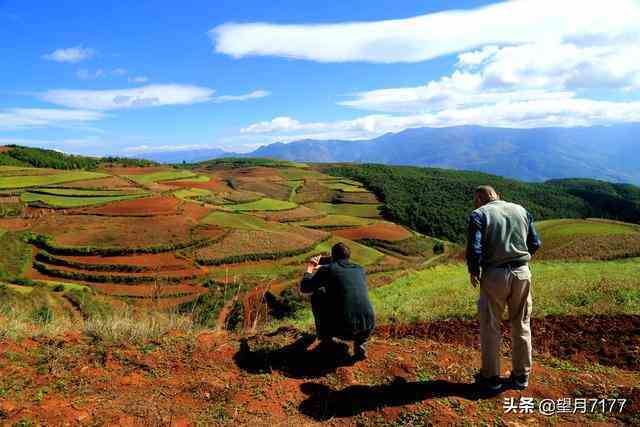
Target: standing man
[(340, 299), (501, 242)]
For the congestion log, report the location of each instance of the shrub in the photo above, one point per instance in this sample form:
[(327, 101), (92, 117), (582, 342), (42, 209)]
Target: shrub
[(58, 288), (438, 248)]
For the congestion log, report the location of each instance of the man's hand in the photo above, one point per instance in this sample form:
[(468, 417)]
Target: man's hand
[(313, 263), (475, 280)]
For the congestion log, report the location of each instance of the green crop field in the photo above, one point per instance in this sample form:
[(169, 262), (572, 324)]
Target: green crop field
[(192, 193), (169, 175), (560, 288), (359, 210), (302, 174), (264, 204), (560, 228), (347, 186), (235, 220), (24, 181), (196, 179), (71, 201), (335, 221)]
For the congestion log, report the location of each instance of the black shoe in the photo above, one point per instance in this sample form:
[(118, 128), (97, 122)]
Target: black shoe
[(493, 384), (519, 382), (360, 351)]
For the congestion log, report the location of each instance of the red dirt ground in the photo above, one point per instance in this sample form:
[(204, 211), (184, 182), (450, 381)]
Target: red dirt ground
[(380, 231), (281, 379), (172, 274), (148, 206), (14, 224), (4, 149)]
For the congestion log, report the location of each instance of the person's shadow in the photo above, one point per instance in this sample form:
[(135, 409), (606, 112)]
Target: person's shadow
[(294, 360), (324, 403)]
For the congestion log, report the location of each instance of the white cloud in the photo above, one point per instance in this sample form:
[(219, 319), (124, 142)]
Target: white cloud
[(139, 97), (71, 54), (562, 112), (252, 95), (138, 79), (145, 96), (86, 74), (428, 36), (22, 118)]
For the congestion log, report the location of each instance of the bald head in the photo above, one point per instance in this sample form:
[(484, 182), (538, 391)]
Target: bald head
[(484, 194)]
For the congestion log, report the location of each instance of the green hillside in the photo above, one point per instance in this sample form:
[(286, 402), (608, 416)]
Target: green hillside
[(437, 202)]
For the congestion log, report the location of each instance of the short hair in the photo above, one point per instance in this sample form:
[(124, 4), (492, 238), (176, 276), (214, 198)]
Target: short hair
[(486, 193), (340, 251)]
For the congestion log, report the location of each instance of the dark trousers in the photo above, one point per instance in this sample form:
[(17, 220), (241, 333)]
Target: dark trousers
[(324, 318)]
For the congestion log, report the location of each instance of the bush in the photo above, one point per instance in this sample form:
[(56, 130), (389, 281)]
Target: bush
[(438, 248), (58, 288)]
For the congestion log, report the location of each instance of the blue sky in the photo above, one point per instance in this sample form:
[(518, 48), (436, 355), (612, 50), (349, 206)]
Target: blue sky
[(127, 77)]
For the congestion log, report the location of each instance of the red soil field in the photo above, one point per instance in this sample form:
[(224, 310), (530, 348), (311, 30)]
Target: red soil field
[(148, 206), (146, 291), (194, 211), (161, 276), (297, 214), (244, 242), (214, 185), (255, 172), (4, 149), (14, 224), (164, 261), (9, 199), (111, 182), (380, 231), (266, 186), (124, 232)]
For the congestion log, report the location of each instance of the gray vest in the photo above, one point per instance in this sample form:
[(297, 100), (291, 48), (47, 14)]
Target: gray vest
[(505, 236)]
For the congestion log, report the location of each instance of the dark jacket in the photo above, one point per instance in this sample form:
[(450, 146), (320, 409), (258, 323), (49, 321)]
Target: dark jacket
[(347, 296)]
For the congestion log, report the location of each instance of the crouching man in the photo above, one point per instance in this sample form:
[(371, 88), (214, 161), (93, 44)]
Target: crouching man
[(340, 299), (501, 242)]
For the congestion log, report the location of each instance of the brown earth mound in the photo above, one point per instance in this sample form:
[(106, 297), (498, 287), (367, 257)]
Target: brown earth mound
[(385, 231), (149, 206)]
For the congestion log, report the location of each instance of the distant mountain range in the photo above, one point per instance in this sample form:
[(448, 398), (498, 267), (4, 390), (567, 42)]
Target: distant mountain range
[(609, 153)]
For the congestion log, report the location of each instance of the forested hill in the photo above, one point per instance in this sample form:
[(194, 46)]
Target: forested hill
[(15, 155), (437, 202)]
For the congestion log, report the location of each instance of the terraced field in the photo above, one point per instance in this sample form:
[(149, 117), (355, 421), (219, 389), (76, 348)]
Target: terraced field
[(157, 235)]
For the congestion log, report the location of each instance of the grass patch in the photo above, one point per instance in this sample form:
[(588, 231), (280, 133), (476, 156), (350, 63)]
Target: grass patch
[(351, 209), (560, 288), (235, 220), (264, 204), (192, 193), (347, 186), (7, 182), (170, 175), (195, 179), (73, 201), (15, 254), (335, 221), (575, 228), (79, 192)]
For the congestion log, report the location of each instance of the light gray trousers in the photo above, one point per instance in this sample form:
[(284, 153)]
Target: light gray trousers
[(500, 287)]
